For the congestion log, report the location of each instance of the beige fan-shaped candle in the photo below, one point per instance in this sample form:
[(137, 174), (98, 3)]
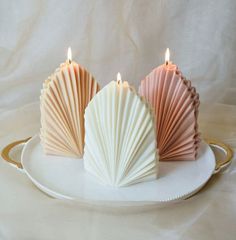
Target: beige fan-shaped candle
[(64, 97), (175, 103), (120, 141)]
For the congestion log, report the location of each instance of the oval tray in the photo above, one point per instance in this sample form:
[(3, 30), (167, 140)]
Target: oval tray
[(65, 178)]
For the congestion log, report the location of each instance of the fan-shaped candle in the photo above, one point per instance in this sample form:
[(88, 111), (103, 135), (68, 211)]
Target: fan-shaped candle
[(175, 103), (120, 141), (64, 97)]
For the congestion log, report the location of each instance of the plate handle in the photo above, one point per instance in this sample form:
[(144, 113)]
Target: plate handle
[(6, 150), (221, 163)]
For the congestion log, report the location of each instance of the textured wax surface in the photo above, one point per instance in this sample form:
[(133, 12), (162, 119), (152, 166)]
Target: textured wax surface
[(120, 139), (64, 97), (175, 103), (107, 37)]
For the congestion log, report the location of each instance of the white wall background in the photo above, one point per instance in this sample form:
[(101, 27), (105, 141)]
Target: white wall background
[(111, 36)]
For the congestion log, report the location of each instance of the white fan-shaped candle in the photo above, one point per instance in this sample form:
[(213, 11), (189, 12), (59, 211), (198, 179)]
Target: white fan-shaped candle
[(175, 103), (120, 142), (64, 97)]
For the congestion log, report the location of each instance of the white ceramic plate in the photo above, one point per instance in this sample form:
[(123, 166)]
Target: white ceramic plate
[(65, 178)]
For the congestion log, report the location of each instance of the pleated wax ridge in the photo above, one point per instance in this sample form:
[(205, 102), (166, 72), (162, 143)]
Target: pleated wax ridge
[(63, 100), (120, 141), (175, 103)]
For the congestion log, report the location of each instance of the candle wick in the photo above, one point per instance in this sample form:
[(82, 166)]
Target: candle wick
[(167, 62), (69, 61)]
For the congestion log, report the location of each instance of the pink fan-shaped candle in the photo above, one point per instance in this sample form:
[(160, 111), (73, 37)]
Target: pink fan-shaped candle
[(175, 104), (64, 97)]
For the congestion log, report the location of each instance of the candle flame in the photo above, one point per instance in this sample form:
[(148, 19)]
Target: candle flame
[(69, 55), (167, 56), (119, 80)]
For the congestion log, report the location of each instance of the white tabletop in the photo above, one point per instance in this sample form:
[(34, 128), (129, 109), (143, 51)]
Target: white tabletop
[(27, 213)]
